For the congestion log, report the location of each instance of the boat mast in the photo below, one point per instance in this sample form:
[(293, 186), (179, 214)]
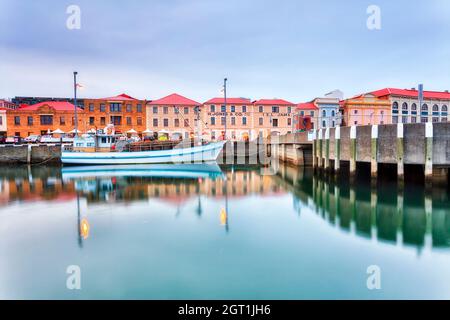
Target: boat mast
[(75, 101), (225, 103)]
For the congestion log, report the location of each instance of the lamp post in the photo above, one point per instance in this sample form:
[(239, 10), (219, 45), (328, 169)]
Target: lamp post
[(225, 102), (75, 101)]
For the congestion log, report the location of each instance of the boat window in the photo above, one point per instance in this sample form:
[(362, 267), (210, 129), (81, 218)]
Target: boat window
[(104, 140)]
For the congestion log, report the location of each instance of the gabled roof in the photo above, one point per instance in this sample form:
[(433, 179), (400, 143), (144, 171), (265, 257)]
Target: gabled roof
[(273, 102), (120, 97), (229, 101), (411, 93), (57, 105), (175, 99), (307, 106)]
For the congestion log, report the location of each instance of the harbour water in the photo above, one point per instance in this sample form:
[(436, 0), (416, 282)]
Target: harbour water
[(218, 233)]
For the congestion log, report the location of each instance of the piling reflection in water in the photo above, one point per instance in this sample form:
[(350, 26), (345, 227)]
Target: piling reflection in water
[(402, 215)]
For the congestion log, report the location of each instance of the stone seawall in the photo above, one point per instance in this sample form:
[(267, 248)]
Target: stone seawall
[(33, 154)]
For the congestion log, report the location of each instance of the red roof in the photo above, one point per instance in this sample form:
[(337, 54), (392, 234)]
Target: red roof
[(411, 93), (175, 99), (307, 106), (120, 97), (229, 101), (273, 102), (57, 105)]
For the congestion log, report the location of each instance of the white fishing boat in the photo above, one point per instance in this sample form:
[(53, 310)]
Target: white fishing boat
[(102, 150)]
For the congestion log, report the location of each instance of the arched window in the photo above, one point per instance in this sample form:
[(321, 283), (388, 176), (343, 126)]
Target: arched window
[(414, 107), (395, 106), (424, 107), (435, 108), (444, 108), (405, 106), (324, 113), (333, 113)]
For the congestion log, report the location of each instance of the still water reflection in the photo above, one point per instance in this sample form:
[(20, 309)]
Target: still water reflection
[(208, 232)]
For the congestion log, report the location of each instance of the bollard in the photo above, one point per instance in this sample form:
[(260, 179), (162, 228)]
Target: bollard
[(428, 152), (374, 150), (400, 153), (352, 150), (327, 149), (337, 149)]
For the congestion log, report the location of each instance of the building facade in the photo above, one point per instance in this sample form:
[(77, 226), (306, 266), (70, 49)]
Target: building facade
[(175, 116), (19, 101), (405, 106), (5, 104), (42, 118), (328, 115), (3, 122), (124, 112), (273, 117), (366, 109), (236, 113)]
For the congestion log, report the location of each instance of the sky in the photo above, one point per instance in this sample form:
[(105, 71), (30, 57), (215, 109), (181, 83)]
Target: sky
[(293, 49)]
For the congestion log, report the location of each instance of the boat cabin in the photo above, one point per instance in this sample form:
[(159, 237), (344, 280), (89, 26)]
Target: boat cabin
[(94, 143)]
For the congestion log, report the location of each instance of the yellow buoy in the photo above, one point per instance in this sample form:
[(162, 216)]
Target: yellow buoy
[(84, 228), (223, 217)]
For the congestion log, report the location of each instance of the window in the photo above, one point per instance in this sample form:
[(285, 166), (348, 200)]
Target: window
[(62, 121), (435, 119), (324, 124), (413, 119), (275, 122), (244, 121), (223, 109), (176, 110), (213, 121), (177, 122), (404, 119), (289, 121), (405, 106), (91, 121), (425, 107), (435, 108), (139, 121), (394, 119), (289, 109), (116, 120), (1, 121), (424, 119), (155, 122), (275, 109), (233, 121), (91, 107), (166, 110), (186, 110), (444, 108), (414, 107), (102, 107), (102, 121), (395, 106), (115, 107), (444, 119), (139, 107), (261, 121), (261, 109), (129, 109), (213, 108), (17, 120), (302, 113), (128, 121), (155, 110), (324, 114), (355, 111), (46, 120), (222, 121), (312, 113), (186, 122), (165, 122), (233, 108), (244, 109), (30, 121)]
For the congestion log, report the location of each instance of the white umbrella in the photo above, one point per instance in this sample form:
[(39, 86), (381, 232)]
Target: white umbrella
[(58, 131), (148, 131), (163, 131), (92, 131), (131, 131), (75, 131)]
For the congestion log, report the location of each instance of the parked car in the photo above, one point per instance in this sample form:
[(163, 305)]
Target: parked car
[(49, 139), (32, 139), (2, 139), (13, 140)]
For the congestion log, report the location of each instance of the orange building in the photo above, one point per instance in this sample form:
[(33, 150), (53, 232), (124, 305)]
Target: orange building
[(41, 118), (307, 110), (238, 114), (174, 116), (366, 109), (125, 112)]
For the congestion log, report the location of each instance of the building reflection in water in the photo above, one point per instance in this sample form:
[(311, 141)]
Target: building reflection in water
[(385, 213)]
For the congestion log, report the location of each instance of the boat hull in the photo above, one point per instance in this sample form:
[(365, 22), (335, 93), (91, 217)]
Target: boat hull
[(205, 153)]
